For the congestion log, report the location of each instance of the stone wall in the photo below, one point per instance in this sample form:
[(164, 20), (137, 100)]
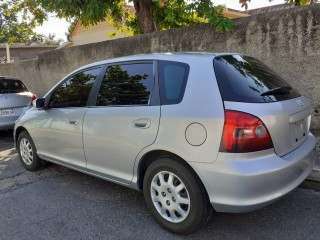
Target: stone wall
[(288, 41)]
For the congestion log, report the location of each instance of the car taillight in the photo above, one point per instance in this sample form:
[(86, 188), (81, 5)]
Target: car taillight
[(33, 97), (243, 132)]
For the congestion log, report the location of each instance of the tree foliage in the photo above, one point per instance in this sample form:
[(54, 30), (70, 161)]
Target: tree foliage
[(17, 24), (151, 15), (46, 40), (244, 3), (71, 27), (174, 14), (300, 2), (11, 29)]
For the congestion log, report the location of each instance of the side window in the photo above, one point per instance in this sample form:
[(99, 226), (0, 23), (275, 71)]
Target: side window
[(173, 78), (74, 92), (126, 84)]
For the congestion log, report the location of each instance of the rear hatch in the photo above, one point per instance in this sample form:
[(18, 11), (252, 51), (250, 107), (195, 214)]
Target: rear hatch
[(249, 86), (13, 94)]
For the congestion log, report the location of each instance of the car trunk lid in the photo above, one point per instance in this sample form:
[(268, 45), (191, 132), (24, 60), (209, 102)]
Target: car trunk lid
[(13, 94), (15, 100)]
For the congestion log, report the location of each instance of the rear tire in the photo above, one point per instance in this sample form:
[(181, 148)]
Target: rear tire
[(175, 196), (28, 153)]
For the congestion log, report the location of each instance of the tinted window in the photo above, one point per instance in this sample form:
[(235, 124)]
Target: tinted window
[(172, 80), (12, 86), (244, 79), (75, 91), (128, 84)]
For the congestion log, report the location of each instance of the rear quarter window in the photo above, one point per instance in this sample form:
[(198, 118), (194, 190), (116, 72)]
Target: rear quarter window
[(244, 79), (173, 78)]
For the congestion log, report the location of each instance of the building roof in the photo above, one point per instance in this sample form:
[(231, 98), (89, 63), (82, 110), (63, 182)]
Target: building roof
[(269, 9), (232, 13), (78, 28)]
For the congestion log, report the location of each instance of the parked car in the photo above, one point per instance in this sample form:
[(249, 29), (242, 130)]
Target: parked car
[(192, 130), (15, 99)]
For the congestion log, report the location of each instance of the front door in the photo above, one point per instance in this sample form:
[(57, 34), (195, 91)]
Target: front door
[(59, 127)]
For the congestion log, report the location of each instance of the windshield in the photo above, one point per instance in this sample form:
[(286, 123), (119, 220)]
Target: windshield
[(245, 79), (12, 86)]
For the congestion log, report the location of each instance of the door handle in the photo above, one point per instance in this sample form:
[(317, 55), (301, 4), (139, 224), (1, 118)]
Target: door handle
[(73, 122), (141, 123)]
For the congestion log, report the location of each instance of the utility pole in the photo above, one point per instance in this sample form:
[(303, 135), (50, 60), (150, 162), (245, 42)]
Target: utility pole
[(8, 53)]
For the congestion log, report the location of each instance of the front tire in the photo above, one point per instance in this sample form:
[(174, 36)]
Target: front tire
[(175, 196), (28, 153)]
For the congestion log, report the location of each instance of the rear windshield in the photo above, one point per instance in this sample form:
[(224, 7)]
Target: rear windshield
[(12, 86), (245, 79)]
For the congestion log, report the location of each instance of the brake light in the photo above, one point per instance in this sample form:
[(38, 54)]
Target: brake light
[(33, 97), (243, 132)]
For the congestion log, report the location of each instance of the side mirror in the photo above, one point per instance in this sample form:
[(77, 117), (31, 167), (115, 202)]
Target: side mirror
[(39, 103)]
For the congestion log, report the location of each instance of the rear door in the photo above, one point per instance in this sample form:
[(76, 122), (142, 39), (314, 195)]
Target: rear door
[(248, 85), (124, 120), (57, 131)]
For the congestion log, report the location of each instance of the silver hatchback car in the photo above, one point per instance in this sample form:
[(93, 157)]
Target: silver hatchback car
[(15, 99), (192, 130)]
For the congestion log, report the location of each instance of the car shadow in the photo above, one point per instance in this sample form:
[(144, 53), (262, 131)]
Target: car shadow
[(6, 140)]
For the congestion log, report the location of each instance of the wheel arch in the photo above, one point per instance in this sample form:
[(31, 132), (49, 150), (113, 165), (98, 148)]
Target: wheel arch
[(151, 156), (18, 131)]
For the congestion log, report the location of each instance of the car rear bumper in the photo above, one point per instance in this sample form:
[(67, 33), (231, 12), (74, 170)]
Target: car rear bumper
[(246, 182), (8, 122)]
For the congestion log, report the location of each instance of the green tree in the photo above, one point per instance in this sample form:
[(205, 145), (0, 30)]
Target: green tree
[(11, 28), (179, 13), (244, 3), (71, 27), (17, 24), (46, 40), (150, 16), (300, 2)]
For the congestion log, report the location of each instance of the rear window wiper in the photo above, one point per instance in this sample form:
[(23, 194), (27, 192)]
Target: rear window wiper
[(277, 91)]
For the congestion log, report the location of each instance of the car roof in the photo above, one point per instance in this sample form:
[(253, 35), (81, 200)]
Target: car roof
[(8, 78), (175, 56), (156, 56)]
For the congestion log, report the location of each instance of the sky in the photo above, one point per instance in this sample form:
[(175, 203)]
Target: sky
[(60, 26)]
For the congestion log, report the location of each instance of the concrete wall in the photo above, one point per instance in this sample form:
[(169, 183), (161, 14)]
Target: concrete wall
[(288, 41), (25, 52)]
